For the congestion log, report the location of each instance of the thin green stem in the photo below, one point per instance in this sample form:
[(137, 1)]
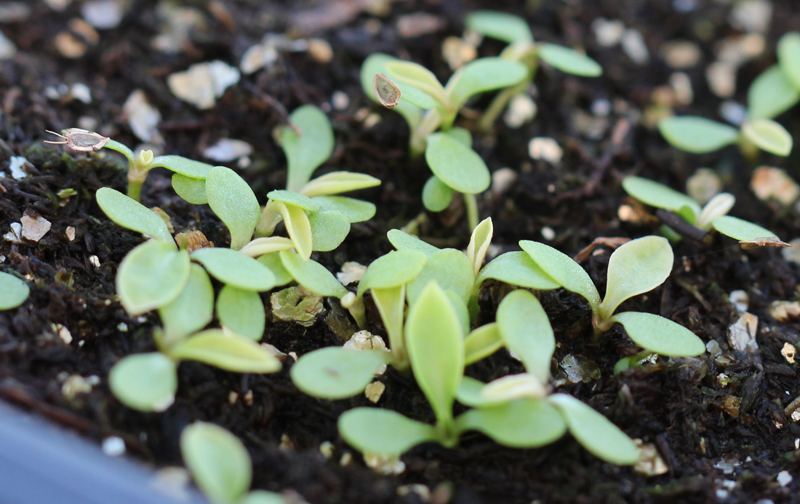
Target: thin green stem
[(473, 218)]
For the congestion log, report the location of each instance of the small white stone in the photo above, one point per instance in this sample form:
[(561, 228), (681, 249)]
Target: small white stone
[(713, 347), (751, 15), (774, 183), (703, 185), (15, 234), (340, 100), (608, 33), (34, 228), (70, 233), (635, 47), (122, 327), (784, 478), (228, 149), (742, 334), (502, 180), (684, 6), (95, 261), (682, 85), (384, 464), (548, 233), (721, 77), (7, 48), (143, 118), (58, 5), (179, 23), (326, 449), (15, 164), (81, 92), (374, 391), (521, 109), (14, 12), (203, 83), (740, 300), (601, 107), (103, 14), (351, 272), (63, 333), (681, 53), (546, 149), (113, 446)]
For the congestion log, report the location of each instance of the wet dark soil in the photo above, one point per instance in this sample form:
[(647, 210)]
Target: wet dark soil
[(715, 452)]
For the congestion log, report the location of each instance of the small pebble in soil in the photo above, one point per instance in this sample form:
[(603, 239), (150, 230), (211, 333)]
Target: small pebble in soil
[(418, 24), (34, 227), (713, 347), (103, 14), (113, 446), (345, 459), (74, 43), (580, 369), (16, 165), (58, 5), (789, 351), (783, 311), (545, 149), (340, 100), (385, 464), (502, 180), (374, 391), (457, 52), (608, 32), (351, 272), (684, 6), (95, 261), (422, 491), (62, 333), (14, 12), (635, 47), (232, 397), (681, 54), (320, 50), (74, 385), (548, 233), (682, 87), (326, 449), (774, 183), (365, 340), (784, 478), (143, 118), (296, 304), (650, 462), (7, 48), (742, 334), (751, 15), (522, 109), (721, 77), (740, 300), (203, 83), (703, 185), (733, 112), (227, 150), (792, 254)]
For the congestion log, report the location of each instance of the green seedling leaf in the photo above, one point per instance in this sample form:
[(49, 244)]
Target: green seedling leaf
[(218, 461), (697, 134), (145, 382), (517, 268), (132, 215), (121, 148), (190, 189), (569, 60), (354, 209), (500, 391), (242, 312), (592, 430), (482, 342), (771, 94), (312, 275), (461, 310), (391, 304), (562, 270), (481, 75), (263, 497), (769, 136), (456, 164), (372, 430), (436, 195), (636, 267), (184, 166), (789, 57), (404, 241), (525, 329), (192, 310), (660, 335), (406, 72), (739, 229), (525, 423), (236, 269), (719, 205), (479, 244), (151, 276), (415, 96), (339, 182), (451, 269), (293, 198), (298, 226), (392, 270), (500, 26), (328, 230), (266, 245), (469, 393), (233, 201), (373, 65), (434, 340), (336, 372), (274, 263), (228, 351), (306, 151), (13, 291), (660, 196), (462, 135)]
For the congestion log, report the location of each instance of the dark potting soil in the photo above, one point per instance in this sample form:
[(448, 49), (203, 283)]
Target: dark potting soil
[(717, 448)]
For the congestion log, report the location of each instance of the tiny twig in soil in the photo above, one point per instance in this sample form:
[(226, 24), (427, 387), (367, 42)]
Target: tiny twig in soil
[(683, 228)]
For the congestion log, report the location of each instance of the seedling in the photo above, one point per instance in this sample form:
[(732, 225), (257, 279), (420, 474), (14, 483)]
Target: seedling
[(449, 154), (13, 291), (777, 89), (220, 466), (636, 267), (186, 170), (713, 215), (522, 48)]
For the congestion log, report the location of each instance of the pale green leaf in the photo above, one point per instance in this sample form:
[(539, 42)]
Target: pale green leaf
[(236, 269), (266, 245), (151, 276), (771, 94), (769, 136), (218, 462), (660, 335), (719, 205), (739, 229), (462, 135), (407, 72), (263, 497), (355, 210), (416, 97), (499, 25), (312, 275), (145, 382), (392, 270), (525, 423), (328, 230), (293, 198), (636, 267), (660, 196), (373, 65), (697, 135), (434, 340), (241, 311), (482, 342), (132, 215), (228, 351), (336, 372), (569, 60), (233, 201), (339, 182), (451, 269), (517, 268), (789, 57), (192, 310), (481, 75), (456, 164), (469, 393), (122, 149), (184, 166), (479, 243), (298, 227), (461, 310), (275, 265), (562, 270), (436, 195), (306, 151), (595, 432), (404, 241), (373, 430), (190, 189), (391, 305), (13, 291), (525, 329)]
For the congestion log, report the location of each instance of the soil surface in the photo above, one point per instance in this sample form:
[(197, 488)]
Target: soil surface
[(724, 440)]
